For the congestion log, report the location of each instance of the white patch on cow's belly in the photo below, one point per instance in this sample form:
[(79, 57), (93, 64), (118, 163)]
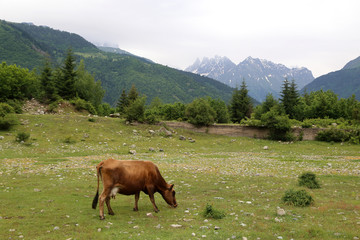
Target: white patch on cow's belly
[(114, 191)]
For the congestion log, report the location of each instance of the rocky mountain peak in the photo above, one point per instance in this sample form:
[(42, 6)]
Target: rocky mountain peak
[(261, 76)]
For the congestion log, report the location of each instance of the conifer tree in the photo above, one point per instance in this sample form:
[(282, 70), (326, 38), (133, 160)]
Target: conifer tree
[(68, 77), (48, 83), (289, 97), (133, 94), (123, 102), (240, 106)]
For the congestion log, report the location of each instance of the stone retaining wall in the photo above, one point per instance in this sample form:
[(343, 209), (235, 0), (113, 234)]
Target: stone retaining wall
[(242, 131)]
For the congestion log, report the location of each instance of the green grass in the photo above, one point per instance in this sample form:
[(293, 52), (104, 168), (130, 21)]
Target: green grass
[(50, 184)]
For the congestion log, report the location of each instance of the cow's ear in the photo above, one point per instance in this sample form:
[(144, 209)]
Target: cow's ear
[(171, 187)]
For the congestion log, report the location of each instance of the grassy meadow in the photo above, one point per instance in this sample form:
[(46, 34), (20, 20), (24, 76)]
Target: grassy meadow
[(47, 184)]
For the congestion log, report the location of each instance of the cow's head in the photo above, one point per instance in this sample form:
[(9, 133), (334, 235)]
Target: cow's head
[(169, 196)]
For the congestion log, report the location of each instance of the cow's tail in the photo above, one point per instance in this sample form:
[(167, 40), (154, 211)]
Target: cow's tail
[(96, 198)]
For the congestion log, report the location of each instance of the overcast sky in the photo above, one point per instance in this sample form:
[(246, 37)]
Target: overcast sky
[(322, 35)]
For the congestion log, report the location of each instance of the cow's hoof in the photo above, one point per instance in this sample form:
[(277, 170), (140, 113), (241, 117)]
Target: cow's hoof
[(157, 210), (102, 218), (111, 213), (135, 209)]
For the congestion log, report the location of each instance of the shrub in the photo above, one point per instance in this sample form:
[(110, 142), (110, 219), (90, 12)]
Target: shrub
[(69, 140), (151, 117), (7, 116), (200, 113), (298, 198), (22, 137), (308, 180), (278, 125), (136, 110), (81, 104), (92, 120), (332, 135), (213, 213)]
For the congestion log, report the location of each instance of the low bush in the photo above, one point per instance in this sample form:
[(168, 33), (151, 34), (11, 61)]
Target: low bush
[(22, 137), (333, 135), (298, 198), (308, 180), (69, 140), (213, 213)]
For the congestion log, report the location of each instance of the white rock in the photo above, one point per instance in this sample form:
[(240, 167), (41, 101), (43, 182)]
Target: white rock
[(265, 147), (56, 228), (176, 225), (281, 212)]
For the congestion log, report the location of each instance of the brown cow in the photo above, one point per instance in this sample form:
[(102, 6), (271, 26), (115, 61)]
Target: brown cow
[(128, 178)]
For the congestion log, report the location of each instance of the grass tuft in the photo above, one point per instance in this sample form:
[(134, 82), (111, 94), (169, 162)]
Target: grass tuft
[(213, 213)]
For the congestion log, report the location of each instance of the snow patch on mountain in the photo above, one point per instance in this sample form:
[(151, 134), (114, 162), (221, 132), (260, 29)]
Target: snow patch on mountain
[(261, 76)]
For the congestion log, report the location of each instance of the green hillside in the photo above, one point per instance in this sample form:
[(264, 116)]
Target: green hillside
[(18, 47), (353, 64), (344, 83), (27, 45)]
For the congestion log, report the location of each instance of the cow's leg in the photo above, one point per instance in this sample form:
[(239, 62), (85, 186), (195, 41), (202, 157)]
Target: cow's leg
[(137, 196), (104, 195), (107, 200), (152, 199)]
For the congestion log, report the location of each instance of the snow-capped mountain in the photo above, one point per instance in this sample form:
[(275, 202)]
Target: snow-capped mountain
[(261, 76)]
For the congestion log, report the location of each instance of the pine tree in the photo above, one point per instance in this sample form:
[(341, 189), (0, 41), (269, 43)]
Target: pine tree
[(133, 94), (123, 102), (68, 77), (240, 106), (289, 97), (48, 83)]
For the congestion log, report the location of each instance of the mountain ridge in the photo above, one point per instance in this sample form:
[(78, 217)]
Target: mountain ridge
[(261, 76), (29, 46)]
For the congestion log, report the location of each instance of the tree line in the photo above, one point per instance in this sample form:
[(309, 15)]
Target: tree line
[(280, 114), (72, 82), (69, 81)]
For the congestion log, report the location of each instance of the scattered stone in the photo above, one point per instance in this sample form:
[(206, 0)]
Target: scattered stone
[(278, 219), (244, 238), (151, 132), (216, 227), (329, 165), (56, 228), (280, 211), (151, 149), (266, 148), (135, 227), (176, 225), (37, 190), (114, 115), (161, 150), (133, 146), (99, 230), (203, 236), (149, 215), (135, 131), (182, 138), (205, 221), (2, 137), (243, 224), (279, 237), (133, 152), (356, 238), (86, 135), (193, 234), (192, 140)]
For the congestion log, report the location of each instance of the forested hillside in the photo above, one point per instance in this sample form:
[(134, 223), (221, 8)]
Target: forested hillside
[(28, 46), (344, 83)]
